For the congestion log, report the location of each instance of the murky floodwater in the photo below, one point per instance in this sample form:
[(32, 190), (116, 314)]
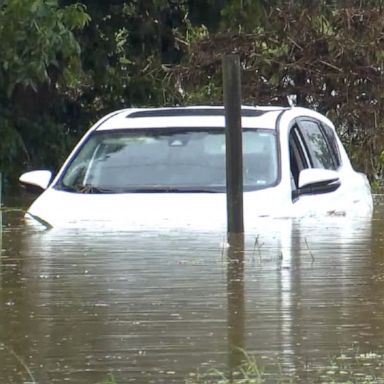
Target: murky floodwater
[(147, 307)]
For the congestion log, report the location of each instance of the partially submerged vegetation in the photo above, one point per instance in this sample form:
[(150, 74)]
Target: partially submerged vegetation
[(67, 62), (358, 368), (351, 368)]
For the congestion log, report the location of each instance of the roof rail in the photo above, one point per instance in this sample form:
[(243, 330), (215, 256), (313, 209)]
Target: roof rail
[(164, 112)]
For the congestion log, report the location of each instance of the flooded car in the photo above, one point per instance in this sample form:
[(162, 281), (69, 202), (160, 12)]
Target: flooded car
[(165, 167)]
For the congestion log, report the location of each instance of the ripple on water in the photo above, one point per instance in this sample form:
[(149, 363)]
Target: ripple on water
[(155, 306)]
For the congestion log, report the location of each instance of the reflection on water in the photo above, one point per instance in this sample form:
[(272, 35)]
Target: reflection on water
[(156, 306), (236, 301)]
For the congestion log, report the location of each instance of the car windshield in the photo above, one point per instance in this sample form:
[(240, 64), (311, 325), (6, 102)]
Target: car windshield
[(167, 160)]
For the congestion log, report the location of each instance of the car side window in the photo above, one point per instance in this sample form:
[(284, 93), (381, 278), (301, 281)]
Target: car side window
[(298, 157), (320, 152), (331, 137)]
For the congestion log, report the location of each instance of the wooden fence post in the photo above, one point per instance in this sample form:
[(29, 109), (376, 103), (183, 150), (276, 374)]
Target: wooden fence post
[(234, 146)]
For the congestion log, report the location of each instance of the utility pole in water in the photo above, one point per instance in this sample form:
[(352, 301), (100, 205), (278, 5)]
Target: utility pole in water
[(234, 144), (235, 220)]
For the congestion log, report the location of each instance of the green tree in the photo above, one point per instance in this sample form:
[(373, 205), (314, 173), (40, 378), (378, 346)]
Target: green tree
[(40, 60), (65, 64), (127, 49), (37, 43)]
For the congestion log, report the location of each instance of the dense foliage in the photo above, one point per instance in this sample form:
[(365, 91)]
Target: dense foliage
[(65, 63), (40, 59), (329, 55)]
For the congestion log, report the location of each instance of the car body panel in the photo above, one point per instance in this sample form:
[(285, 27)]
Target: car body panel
[(205, 211)]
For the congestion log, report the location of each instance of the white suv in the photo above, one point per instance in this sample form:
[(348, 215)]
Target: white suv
[(166, 167)]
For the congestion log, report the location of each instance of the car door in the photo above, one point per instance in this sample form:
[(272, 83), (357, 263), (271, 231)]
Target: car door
[(313, 145)]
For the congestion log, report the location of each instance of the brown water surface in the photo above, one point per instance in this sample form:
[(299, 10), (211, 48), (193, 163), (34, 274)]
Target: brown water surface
[(147, 307)]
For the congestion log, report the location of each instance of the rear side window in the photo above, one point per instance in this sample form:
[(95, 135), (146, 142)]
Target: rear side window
[(320, 152), (331, 137)]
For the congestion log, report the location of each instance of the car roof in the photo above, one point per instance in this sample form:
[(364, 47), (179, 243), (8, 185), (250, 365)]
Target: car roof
[(193, 116)]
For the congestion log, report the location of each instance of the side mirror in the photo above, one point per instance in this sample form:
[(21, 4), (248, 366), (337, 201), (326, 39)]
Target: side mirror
[(314, 181), (35, 181)]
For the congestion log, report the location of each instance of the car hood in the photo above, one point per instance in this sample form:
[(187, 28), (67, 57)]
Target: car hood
[(149, 210)]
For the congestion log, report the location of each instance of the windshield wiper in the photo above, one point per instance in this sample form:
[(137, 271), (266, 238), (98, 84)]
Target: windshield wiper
[(165, 189), (91, 189), (87, 188)]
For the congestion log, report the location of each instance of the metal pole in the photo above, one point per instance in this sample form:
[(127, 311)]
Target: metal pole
[(1, 190), (234, 145)]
